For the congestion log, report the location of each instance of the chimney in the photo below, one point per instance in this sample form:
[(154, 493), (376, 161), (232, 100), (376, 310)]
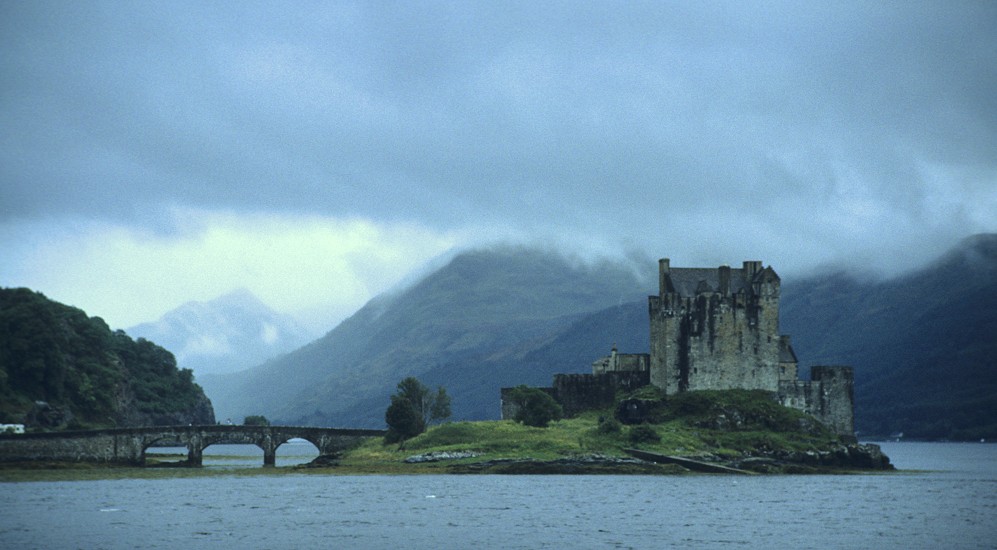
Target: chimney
[(724, 280), (751, 269), (663, 267)]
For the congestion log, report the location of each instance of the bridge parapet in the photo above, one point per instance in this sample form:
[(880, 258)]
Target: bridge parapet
[(128, 445)]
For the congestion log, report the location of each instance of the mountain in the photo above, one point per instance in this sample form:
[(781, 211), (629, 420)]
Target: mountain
[(230, 333), (923, 345), (484, 320), (60, 368)]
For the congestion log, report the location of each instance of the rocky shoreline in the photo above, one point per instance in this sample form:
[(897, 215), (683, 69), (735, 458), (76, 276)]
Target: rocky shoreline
[(842, 459)]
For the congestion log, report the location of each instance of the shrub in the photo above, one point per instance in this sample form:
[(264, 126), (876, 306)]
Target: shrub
[(255, 420), (609, 425), (535, 407), (643, 434)]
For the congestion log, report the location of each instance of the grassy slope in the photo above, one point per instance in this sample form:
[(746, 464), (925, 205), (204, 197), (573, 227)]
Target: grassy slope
[(687, 425)]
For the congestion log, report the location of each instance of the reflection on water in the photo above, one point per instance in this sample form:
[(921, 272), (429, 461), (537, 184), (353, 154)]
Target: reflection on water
[(294, 452)]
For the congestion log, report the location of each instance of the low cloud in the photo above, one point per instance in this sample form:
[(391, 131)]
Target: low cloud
[(155, 150), (321, 269)]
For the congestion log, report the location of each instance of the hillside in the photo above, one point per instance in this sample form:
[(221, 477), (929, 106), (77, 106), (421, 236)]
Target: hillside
[(475, 325), (230, 333), (86, 375), (924, 345)]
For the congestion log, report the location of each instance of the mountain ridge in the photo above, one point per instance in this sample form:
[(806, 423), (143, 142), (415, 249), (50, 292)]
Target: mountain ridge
[(517, 295), (232, 332), (490, 318)]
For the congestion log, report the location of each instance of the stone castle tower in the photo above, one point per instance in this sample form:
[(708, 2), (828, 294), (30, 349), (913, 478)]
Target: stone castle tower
[(713, 329), (718, 329)]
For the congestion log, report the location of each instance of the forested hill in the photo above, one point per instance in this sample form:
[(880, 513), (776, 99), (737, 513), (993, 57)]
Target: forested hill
[(60, 369)]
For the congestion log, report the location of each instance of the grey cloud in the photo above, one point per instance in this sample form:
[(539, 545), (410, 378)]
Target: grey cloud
[(612, 119)]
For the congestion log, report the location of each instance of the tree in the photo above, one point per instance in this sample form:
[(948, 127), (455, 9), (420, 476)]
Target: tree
[(413, 407), (428, 406), (441, 405), (535, 407), (403, 420), (255, 420)]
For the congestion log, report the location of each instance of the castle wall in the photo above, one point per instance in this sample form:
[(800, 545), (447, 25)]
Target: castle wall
[(581, 392), (712, 341), (828, 396), (616, 362), (712, 329)]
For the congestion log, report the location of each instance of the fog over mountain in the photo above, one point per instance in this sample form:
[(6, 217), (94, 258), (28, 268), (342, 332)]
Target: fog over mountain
[(471, 326), (317, 153), (922, 345), (232, 332)]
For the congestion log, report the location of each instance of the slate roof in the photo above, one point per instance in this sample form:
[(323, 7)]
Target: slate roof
[(687, 280)]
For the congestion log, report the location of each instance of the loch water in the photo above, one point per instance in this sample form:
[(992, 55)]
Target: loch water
[(944, 497)]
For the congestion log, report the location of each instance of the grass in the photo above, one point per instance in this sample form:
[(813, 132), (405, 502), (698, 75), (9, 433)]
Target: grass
[(683, 428), (684, 425)]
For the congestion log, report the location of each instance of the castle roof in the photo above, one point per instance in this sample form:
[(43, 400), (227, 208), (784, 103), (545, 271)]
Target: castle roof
[(786, 354), (688, 281)]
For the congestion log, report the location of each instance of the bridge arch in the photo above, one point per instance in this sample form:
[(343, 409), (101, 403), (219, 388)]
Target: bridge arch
[(129, 445)]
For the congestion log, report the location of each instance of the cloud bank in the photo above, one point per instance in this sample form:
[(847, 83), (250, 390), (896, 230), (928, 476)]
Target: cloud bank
[(856, 134)]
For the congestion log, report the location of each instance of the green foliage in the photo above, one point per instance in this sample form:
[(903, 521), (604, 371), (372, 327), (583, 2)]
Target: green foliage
[(589, 433), (649, 392), (429, 406), (642, 433), (535, 407), (609, 425), (55, 353), (413, 408), (403, 420), (255, 420), (738, 410), (440, 410)]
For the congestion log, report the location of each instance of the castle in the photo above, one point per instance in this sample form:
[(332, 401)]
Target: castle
[(713, 329)]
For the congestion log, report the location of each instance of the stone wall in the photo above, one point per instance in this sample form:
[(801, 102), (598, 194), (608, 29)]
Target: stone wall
[(716, 340), (615, 362), (712, 329), (110, 448), (582, 392), (828, 396)]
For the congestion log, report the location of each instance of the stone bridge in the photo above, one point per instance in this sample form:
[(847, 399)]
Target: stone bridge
[(128, 445)]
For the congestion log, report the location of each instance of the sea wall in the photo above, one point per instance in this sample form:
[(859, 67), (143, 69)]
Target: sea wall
[(111, 448)]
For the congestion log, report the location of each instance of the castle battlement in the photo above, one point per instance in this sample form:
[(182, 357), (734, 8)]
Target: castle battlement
[(716, 329)]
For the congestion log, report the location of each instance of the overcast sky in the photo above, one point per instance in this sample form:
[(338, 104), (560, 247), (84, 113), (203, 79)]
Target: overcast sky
[(316, 154)]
